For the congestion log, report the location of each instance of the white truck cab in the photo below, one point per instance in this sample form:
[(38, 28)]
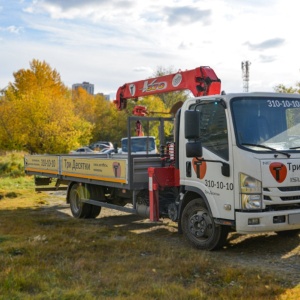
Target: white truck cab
[(242, 158)]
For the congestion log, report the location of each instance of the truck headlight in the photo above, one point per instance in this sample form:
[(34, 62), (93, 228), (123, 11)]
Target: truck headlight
[(251, 192)]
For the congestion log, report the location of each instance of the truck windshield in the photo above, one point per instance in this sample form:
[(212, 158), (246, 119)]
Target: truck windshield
[(139, 144), (267, 124)]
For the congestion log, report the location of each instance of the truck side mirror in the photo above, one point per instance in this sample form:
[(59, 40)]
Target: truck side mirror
[(193, 149), (192, 124), (192, 133)]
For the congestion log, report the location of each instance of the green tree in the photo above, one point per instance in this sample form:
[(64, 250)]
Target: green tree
[(293, 116), (38, 113), (171, 98), (110, 124), (280, 88), (85, 105), (9, 130), (155, 108)]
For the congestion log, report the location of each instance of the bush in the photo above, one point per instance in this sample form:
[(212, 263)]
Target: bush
[(12, 165)]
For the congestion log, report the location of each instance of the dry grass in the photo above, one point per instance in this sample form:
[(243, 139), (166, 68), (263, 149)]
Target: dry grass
[(46, 254)]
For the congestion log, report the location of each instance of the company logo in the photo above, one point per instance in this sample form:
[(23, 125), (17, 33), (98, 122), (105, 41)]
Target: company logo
[(117, 169), (278, 171), (177, 80), (132, 89), (153, 86), (202, 167)]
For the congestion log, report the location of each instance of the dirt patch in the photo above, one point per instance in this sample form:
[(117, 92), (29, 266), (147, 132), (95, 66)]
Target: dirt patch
[(270, 252)]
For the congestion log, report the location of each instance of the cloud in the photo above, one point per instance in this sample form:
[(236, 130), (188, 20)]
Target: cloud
[(267, 44), (251, 3), (187, 15), (69, 4), (12, 29), (185, 45), (65, 5), (78, 9), (143, 69), (267, 58)]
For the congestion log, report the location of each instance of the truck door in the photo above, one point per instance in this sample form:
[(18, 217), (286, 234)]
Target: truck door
[(213, 172)]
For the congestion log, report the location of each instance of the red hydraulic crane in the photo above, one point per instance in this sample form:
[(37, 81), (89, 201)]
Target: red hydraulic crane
[(200, 81)]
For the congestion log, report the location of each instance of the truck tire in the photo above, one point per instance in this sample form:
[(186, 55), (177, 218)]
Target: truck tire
[(95, 194), (94, 212), (199, 227), (79, 209)]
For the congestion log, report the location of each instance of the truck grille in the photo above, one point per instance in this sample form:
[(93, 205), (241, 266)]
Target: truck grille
[(277, 195), (289, 188), (292, 198)]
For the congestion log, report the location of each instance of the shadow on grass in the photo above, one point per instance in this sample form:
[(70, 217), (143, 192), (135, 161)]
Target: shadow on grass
[(267, 252), (277, 254)]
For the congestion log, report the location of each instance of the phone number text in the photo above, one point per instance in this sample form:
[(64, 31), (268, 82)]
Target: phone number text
[(219, 185), (283, 103)]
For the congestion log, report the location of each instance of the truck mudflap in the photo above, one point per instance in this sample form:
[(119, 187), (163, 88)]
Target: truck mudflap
[(160, 178), (104, 169), (249, 222)]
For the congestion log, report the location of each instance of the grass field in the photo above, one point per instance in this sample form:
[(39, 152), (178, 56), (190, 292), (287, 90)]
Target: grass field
[(47, 254)]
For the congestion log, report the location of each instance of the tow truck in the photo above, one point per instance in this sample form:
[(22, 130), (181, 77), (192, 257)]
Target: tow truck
[(233, 165)]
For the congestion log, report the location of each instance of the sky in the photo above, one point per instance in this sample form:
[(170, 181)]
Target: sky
[(112, 42)]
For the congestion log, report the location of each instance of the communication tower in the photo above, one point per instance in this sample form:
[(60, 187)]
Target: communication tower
[(245, 74)]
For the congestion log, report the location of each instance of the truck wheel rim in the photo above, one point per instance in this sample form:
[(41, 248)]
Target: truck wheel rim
[(200, 225), (75, 201)]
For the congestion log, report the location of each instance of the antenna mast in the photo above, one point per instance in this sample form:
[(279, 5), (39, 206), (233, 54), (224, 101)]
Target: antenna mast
[(245, 74)]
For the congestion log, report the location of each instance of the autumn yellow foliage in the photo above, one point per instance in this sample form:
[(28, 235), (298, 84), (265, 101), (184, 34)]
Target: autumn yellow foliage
[(39, 114)]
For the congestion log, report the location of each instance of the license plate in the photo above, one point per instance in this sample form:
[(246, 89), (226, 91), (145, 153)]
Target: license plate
[(294, 219)]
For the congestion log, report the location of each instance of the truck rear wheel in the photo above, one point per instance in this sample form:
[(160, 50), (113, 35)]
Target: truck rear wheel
[(199, 227), (95, 193), (79, 209)]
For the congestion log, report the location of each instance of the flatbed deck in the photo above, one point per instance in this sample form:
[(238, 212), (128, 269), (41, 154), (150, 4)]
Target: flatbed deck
[(97, 169)]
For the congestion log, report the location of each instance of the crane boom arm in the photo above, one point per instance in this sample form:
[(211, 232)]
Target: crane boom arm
[(200, 81)]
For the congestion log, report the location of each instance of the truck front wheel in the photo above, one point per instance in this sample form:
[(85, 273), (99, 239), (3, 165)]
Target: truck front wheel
[(199, 227), (79, 209)]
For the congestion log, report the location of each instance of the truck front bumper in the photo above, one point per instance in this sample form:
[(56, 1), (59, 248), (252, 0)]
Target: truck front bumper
[(253, 222)]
